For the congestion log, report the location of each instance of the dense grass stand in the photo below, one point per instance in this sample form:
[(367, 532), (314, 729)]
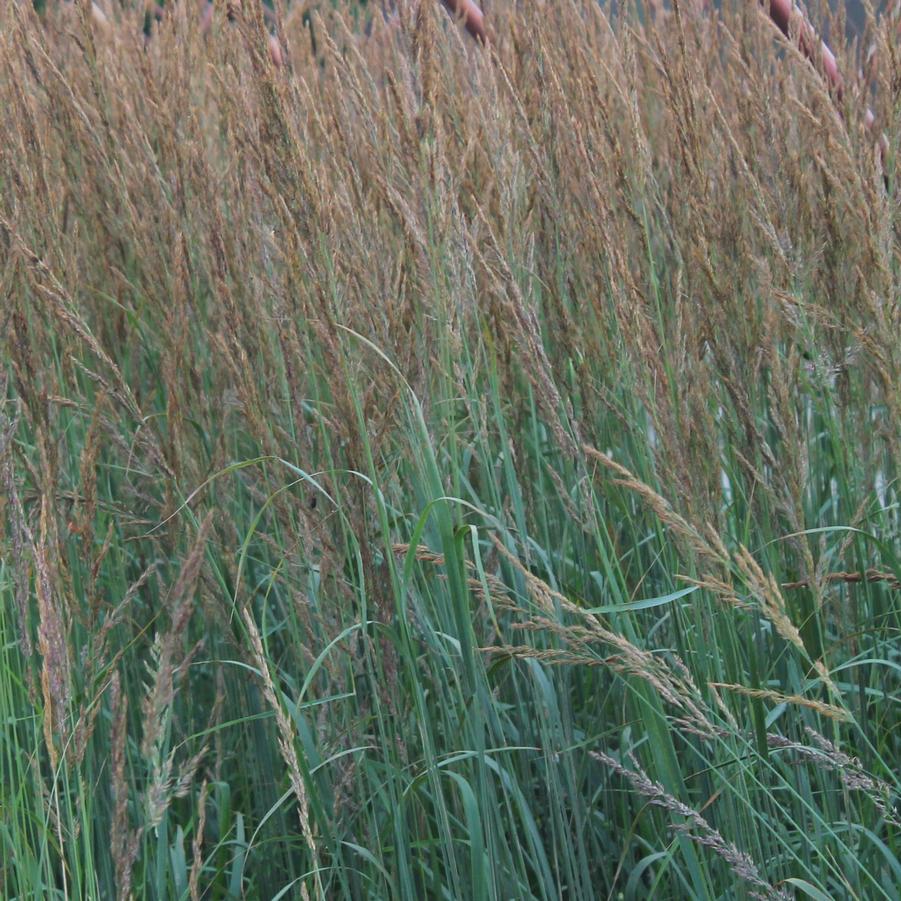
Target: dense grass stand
[(448, 468)]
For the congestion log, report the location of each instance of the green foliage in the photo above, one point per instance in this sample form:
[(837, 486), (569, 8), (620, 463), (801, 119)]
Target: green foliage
[(438, 471)]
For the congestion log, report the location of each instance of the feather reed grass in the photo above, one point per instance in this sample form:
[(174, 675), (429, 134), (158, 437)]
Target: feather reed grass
[(436, 467)]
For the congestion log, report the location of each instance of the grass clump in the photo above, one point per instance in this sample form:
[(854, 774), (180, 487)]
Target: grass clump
[(435, 468)]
